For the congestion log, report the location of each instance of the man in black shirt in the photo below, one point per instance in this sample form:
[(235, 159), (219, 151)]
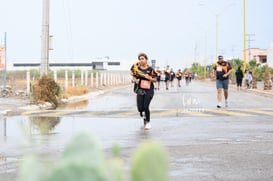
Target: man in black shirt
[(222, 70)]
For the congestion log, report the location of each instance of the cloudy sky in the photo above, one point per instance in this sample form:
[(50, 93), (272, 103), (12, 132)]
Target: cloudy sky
[(175, 32)]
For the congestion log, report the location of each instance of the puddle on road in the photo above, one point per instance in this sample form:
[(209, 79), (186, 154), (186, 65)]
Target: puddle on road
[(75, 105), (16, 126), (8, 164), (58, 130), (44, 125)]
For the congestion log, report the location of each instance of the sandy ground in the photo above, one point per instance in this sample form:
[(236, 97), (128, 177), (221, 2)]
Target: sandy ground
[(16, 96)]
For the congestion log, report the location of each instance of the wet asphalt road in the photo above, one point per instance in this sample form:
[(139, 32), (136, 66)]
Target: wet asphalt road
[(203, 143)]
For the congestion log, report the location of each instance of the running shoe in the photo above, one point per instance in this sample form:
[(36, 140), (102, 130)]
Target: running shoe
[(147, 126), (226, 103), (219, 105)]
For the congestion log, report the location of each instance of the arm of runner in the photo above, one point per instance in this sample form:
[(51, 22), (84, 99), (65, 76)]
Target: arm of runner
[(230, 70), (150, 78), (228, 73)]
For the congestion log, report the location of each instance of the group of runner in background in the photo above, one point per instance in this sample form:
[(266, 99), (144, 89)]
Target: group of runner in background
[(170, 76)]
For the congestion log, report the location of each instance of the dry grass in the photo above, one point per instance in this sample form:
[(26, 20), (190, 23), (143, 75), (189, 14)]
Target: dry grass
[(46, 90), (76, 91), (21, 84), (17, 84)]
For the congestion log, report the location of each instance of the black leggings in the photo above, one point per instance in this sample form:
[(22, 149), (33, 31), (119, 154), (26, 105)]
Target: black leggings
[(239, 82), (144, 98)]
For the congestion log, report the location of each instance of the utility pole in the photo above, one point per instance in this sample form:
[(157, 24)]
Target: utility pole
[(5, 53), (45, 39), (195, 52), (244, 35), (196, 57), (249, 40), (216, 14), (205, 58)]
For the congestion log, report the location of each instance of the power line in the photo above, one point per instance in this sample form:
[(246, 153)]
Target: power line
[(249, 40)]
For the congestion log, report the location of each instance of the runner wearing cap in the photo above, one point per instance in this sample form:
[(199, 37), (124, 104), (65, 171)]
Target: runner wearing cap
[(222, 70)]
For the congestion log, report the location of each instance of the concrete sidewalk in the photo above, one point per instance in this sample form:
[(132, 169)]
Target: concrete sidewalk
[(260, 90), (12, 104)]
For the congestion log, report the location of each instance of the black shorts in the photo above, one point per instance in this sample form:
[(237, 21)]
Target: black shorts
[(167, 78)]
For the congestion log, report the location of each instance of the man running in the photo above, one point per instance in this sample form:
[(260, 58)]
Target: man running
[(222, 70)]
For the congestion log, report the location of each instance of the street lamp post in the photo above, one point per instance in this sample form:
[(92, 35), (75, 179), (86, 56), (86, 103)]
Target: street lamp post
[(245, 35), (205, 58), (5, 56), (216, 32), (216, 14)]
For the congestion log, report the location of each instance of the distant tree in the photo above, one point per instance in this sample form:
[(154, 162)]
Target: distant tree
[(195, 68), (267, 78), (235, 63), (252, 64)]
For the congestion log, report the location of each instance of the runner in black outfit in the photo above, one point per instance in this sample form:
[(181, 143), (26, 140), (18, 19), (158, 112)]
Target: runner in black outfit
[(167, 72), (158, 78), (172, 76), (145, 76)]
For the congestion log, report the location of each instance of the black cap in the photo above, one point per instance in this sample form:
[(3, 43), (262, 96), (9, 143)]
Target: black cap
[(220, 57)]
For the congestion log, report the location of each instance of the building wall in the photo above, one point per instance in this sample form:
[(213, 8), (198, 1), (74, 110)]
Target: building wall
[(256, 53), (101, 64), (270, 56)]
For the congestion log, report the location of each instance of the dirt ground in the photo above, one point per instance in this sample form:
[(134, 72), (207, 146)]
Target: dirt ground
[(16, 89), (17, 96)]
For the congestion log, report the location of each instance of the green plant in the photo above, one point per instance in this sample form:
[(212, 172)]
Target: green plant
[(83, 160), (235, 63), (150, 163), (30, 169), (267, 78), (260, 70), (196, 68)]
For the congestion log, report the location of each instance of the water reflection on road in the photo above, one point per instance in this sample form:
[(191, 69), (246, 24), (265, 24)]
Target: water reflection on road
[(58, 131), (75, 105), (121, 100), (43, 125), (47, 137)]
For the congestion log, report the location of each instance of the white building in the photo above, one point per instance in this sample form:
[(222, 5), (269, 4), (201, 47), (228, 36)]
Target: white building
[(94, 64)]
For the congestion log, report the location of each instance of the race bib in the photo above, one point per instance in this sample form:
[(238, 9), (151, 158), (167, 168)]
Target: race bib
[(145, 84), (219, 69)]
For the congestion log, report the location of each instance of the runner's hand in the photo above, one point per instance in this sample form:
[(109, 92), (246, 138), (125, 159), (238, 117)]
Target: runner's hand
[(148, 77), (137, 81)]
